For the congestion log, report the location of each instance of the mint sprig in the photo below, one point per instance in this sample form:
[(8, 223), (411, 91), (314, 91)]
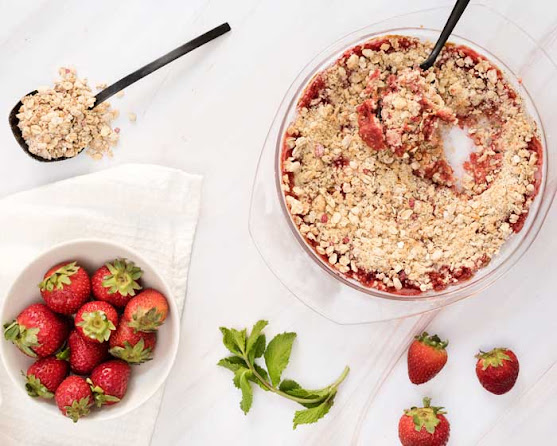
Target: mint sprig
[(246, 349)]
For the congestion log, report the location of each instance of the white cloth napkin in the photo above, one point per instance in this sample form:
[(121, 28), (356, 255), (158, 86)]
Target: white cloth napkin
[(152, 209)]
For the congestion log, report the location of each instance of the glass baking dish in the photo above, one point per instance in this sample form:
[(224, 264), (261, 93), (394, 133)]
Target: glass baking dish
[(302, 271)]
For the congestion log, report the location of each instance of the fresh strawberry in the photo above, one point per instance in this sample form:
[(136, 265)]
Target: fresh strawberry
[(424, 426), (109, 382), (147, 311), (497, 370), (133, 347), (45, 375), (116, 282), (85, 355), (427, 355), (37, 331), (74, 397), (96, 320), (65, 288)]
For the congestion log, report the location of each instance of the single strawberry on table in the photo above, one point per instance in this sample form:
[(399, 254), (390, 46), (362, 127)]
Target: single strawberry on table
[(45, 375), (109, 382), (85, 355), (74, 397), (37, 331), (424, 426), (147, 311), (116, 282), (427, 355), (133, 347), (497, 370), (65, 288), (96, 321)]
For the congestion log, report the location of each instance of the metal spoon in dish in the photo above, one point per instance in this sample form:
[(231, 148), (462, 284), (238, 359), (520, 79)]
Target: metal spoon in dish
[(456, 13), (122, 83)]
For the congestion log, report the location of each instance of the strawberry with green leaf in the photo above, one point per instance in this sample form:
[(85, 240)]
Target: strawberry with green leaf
[(96, 321), (37, 331), (74, 398), (246, 349), (109, 382), (147, 311), (65, 288), (424, 426), (131, 346), (427, 355), (45, 375), (116, 282), (497, 370)]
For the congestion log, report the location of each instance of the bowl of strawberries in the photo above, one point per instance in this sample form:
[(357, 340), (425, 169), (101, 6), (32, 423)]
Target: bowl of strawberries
[(90, 330)]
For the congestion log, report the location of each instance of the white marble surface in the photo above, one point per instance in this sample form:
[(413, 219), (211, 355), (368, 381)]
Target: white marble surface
[(209, 114)]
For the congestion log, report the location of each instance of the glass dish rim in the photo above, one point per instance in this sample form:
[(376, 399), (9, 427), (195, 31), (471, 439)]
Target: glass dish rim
[(535, 218)]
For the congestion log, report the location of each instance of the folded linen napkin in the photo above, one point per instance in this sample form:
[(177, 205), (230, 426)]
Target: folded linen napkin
[(150, 208)]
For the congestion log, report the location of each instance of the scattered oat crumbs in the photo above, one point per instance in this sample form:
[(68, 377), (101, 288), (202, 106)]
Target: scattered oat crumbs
[(132, 117), (120, 94), (58, 121), (365, 175)]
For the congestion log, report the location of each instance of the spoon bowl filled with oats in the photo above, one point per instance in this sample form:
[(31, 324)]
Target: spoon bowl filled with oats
[(57, 123)]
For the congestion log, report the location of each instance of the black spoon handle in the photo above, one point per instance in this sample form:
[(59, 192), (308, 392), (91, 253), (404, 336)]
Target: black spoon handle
[(160, 62), (457, 11)]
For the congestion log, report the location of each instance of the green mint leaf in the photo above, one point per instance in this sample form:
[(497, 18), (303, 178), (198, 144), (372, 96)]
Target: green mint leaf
[(232, 363), (311, 394), (308, 416), (229, 341), (238, 374), (239, 338), (288, 385), (292, 388), (300, 393), (247, 392), (258, 348), (277, 355), (254, 335)]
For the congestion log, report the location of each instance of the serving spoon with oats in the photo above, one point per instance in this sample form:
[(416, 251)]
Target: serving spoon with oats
[(55, 124)]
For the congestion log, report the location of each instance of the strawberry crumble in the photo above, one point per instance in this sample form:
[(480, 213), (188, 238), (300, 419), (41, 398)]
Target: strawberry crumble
[(366, 178)]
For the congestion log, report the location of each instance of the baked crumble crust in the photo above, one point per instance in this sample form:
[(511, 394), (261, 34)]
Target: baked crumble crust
[(365, 175)]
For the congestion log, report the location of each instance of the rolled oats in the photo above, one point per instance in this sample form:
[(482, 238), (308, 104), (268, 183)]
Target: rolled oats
[(58, 122)]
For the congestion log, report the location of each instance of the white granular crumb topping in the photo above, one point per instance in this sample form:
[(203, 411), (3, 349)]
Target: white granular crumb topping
[(57, 122), (391, 216)]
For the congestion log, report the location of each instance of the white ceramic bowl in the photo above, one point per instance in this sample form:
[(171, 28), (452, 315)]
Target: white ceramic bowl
[(91, 254)]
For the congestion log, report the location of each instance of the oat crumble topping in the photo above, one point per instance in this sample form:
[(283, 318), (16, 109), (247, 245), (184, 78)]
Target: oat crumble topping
[(365, 175), (56, 122)]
